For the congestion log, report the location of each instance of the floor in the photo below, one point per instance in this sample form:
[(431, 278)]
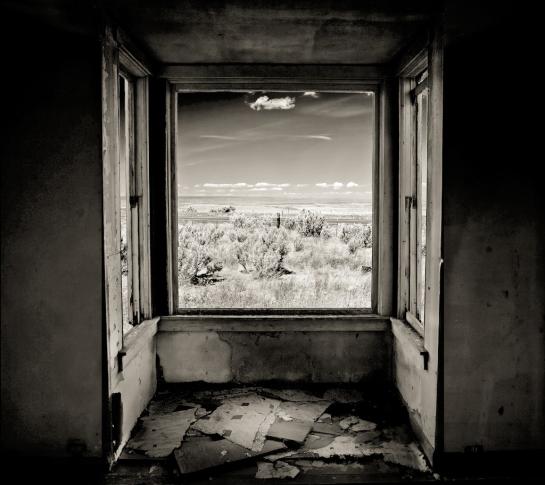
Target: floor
[(251, 434)]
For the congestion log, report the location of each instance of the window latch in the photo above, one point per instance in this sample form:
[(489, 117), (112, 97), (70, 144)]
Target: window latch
[(120, 355), (426, 356), (133, 200), (410, 201)]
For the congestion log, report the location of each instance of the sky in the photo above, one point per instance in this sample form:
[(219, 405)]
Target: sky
[(281, 144)]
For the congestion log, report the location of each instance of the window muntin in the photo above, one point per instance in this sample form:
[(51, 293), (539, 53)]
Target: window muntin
[(276, 215)]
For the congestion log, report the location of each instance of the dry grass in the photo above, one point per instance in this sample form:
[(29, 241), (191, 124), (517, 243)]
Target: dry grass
[(317, 272)]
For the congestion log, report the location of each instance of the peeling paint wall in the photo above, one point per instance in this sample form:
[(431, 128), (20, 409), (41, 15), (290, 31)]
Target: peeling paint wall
[(52, 288), (139, 381), (247, 357), (494, 250)]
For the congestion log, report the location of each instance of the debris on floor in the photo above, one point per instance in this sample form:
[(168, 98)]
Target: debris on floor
[(160, 434), (279, 469), (205, 453), (245, 420), (277, 433)]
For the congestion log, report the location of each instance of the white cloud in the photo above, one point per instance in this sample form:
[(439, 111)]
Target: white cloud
[(302, 185), (334, 185), (312, 94), (349, 185), (266, 189), (264, 102)]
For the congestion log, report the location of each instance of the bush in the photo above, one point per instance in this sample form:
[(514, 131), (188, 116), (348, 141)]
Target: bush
[(310, 224), (263, 252), (290, 223), (249, 222), (327, 232), (196, 261), (356, 236)]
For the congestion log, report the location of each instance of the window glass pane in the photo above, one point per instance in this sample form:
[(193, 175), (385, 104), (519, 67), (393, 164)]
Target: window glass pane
[(422, 175), (275, 199), (124, 200)]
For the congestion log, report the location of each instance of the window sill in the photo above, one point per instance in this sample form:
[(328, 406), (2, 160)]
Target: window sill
[(319, 322), (136, 338)]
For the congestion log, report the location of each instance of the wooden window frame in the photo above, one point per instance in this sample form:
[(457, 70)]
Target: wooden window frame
[(118, 60), (295, 78), (427, 59)]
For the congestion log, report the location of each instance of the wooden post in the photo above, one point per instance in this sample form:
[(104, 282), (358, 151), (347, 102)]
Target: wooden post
[(278, 220)]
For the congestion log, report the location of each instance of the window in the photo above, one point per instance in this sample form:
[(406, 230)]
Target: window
[(125, 195), (275, 199), (414, 191)]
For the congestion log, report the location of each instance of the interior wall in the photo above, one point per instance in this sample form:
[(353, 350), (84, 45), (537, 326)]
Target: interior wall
[(494, 247), (52, 263), (272, 352)]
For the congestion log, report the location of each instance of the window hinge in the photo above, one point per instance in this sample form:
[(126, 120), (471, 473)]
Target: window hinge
[(134, 200), (410, 201)]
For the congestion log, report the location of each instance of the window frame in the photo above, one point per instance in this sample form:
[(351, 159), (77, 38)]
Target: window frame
[(117, 62), (294, 79), (421, 72)]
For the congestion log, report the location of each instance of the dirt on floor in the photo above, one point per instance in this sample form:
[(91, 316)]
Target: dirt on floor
[(233, 434)]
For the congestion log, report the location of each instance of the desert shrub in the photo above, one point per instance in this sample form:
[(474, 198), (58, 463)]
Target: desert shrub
[(356, 236), (242, 253), (290, 223), (249, 222), (223, 210), (327, 232), (310, 224), (190, 210), (238, 235), (264, 252), (197, 261)]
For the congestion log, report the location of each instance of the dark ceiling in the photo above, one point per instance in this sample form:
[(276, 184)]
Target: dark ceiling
[(298, 32)]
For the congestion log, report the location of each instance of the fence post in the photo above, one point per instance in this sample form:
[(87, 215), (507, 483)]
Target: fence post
[(278, 220)]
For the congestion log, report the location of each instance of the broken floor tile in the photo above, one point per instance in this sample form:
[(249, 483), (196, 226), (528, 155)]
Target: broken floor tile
[(244, 420), (290, 431), (160, 434), (303, 411), (315, 440), (204, 453), (279, 469), (356, 424), (328, 428)]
